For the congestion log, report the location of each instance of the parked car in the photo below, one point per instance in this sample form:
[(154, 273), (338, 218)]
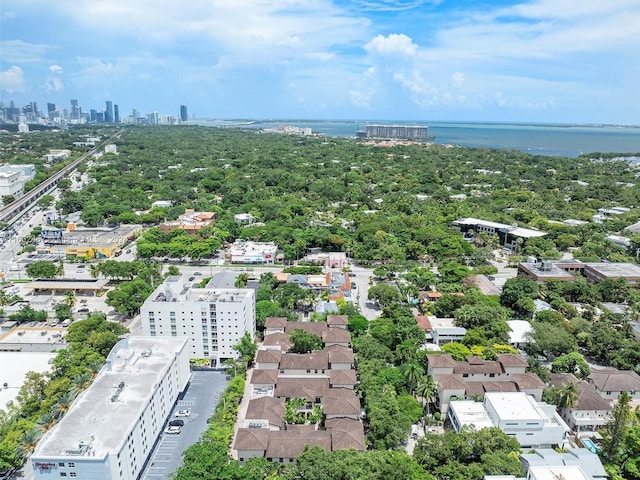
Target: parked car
[(173, 430), (191, 279), (83, 310), (197, 274), (176, 423), (183, 413)]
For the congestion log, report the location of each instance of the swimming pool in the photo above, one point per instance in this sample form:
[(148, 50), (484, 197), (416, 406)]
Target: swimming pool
[(590, 445)]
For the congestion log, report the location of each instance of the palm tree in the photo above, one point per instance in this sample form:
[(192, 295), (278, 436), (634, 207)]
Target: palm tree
[(4, 298), (27, 443), (94, 270), (80, 383), (46, 421), (70, 299), (568, 395), (94, 367), (412, 373), (63, 404), (427, 388)]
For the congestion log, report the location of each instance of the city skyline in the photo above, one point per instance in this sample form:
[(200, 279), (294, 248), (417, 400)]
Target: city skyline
[(564, 61)]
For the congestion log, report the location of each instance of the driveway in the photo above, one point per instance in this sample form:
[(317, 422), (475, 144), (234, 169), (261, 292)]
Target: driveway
[(204, 389)]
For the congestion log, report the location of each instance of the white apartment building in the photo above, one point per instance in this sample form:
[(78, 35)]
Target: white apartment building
[(212, 319), (248, 252), (111, 427)]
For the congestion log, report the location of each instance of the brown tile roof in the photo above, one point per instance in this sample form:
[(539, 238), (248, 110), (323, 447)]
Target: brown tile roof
[(339, 354), (527, 381), (342, 404), (316, 360), (346, 433), (266, 408), (307, 388), (336, 335), (512, 360), (264, 377), (251, 439), (613, 380), (451, 382), (316, 328), (589, 399), (283, 445), (281, 277), (499, 386), (333, 320), (342, 377), (279, 339), (441, 360), (424, 323), (476, 365), (268, 356), (275, 322)]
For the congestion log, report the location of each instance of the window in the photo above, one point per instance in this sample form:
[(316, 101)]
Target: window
[(63, 474), (61, 464), (73, 474), (72, 465)]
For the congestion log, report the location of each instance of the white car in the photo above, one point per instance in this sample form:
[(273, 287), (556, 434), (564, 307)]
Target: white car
[(173, 430), (183, 413)]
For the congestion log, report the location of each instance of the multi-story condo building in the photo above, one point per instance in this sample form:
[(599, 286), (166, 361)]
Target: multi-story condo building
[(111, 427), (212, 319), (420, 132)]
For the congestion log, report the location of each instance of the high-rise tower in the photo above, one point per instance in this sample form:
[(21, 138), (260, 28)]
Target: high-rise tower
[(116, 114), (108, 113), (183, 113)]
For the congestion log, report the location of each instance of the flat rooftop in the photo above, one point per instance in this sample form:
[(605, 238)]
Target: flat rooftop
[(572, 472), (545, 269), (615, 270), (514, 406), (34, 335), (94, 418), (469, 412), (13, 370), (67, 284), (218, 295)]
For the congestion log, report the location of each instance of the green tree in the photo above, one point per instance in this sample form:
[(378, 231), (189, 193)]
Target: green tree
[(128, 297), (572, 362), (614, 432), (568, 395), (246, 347), (384, 294), (42, 269), (304, 342)]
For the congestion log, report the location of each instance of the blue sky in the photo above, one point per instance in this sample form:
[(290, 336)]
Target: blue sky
[(466, 60)]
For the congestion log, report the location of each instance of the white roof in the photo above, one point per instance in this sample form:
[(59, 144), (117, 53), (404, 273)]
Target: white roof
[(519, 330), (95, 417), (469, 412), (567, 472), (517, 231), (514, 406), (13, 370)]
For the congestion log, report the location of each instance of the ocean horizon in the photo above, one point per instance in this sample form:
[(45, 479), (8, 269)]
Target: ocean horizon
[(548, 139)]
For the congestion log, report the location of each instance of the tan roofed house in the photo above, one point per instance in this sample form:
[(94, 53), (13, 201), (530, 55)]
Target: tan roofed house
[(336, 336), (265, 412), (340, 321), (301, 363), (268, 358), (340, 357), (342, 379), (275, 324), (346, 433), (278, 339), (611, 382), (347, 406)]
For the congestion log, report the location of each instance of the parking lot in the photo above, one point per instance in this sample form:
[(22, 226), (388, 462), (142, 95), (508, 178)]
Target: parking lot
[(200, 398)]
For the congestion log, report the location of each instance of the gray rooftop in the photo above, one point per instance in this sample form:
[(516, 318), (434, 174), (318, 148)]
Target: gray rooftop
[(94, 418)]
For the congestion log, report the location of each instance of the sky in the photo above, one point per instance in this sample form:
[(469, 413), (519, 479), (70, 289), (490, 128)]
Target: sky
[(556, 61)]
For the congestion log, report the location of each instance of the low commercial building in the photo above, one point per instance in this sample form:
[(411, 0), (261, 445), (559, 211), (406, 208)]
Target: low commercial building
[(212, 319), (191, 222), (508, 235), (111, 427), (534, 424), (14, 366), (248, 252)]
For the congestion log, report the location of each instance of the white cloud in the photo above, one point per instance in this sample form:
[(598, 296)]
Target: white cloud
[(12, 80), (393, 5), (365, 89), (17, 51), (55, 69), (394, 44), (457, 79), (53, 82)]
